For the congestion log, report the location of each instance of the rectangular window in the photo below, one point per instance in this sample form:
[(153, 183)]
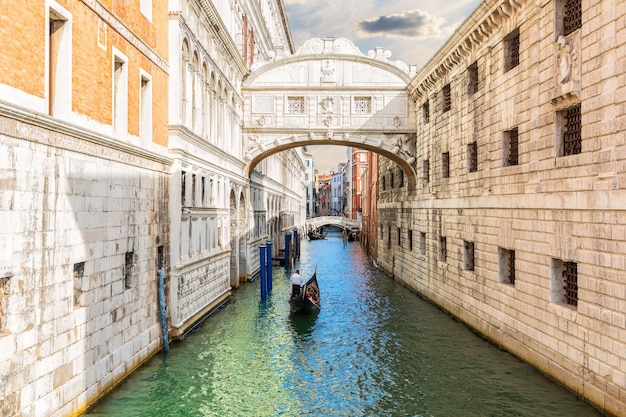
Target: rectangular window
[(426, 170), (447, 98), (564, 282), (399, 237), (145, 108), (445, 165), (426, 112), (443, 250), (410, 239), (203, 191), (422, 243), (510, 147), (160, 257), (59, 62), (128, 269), (295, 105), (79, 284), (472, 157), (120, 93), (570, 126), (468, 255), (572, 16), (183, 187), (388, 237), (472, 75), (362, 105), (506, 266), (193, 190), (511, 50)]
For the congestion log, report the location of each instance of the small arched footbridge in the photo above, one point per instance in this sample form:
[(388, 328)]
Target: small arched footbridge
[(338, 221)]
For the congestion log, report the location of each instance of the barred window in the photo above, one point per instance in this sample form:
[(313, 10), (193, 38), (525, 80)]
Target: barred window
[(422, 243), (443, 250), (472, 74), (511, 50), (445, 165), (571, 126), (472, 157), (410, 239), (362, 105), (447, 98), (426, 111), (295, 105), (468, 255), (507, 266), (572, 16), (426, 169), (510, 147), (564, 282)]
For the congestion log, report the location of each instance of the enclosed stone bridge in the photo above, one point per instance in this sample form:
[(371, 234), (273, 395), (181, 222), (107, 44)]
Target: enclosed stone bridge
[(329, 93), (338, 221)]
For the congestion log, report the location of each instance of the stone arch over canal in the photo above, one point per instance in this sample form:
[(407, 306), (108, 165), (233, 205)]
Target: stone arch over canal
[(329, 93)]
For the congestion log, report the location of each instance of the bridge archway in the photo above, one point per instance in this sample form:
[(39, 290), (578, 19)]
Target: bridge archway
[(329, 93)]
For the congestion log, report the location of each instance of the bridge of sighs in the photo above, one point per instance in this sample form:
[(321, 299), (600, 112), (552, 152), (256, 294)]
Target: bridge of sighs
[(329, 93)]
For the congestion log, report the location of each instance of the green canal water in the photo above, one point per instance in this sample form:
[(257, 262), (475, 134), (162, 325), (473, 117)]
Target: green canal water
[(375, 349)]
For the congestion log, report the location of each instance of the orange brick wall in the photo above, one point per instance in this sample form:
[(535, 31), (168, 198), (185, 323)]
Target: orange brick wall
[(24, 65), (22, 32)]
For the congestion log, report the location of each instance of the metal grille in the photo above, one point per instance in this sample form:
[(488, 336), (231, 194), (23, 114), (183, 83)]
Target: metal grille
[(513, 51), (570, 279), (469, 256), (426, 110), (426, 170), (472, 151), (447, 99), (363, 105), (572, 141), (445, 165), (509, 266), (573, 16), (512, 147), (472, 73), (443, 250), (295, 105)]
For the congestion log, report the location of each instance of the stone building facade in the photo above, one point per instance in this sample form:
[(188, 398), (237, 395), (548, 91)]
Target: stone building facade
[(121, 153), (517, 222), (84, 188), (215, 233)]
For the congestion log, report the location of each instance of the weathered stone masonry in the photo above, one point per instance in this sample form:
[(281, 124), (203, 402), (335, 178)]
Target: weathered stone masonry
[(518, 221)]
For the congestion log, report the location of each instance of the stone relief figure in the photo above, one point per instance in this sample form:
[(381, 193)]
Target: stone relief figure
[(327, 105), (566, 56), (328, 70)]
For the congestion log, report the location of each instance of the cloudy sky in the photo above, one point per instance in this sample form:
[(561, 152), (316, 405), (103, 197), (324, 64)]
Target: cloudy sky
[(413, 30)]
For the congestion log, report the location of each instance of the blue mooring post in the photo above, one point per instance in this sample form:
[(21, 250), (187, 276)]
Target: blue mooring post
[(287, 245), (296, 241), (166, 346), (269, 265), (263, 265)]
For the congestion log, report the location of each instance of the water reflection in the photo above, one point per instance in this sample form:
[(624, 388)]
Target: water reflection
[(374, 349)]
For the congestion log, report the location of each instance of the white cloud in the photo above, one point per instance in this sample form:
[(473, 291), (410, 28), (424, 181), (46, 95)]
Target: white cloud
[(408, 24)]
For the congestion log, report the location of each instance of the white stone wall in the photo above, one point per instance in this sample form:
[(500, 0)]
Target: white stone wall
[(70, 198), (547, 208)]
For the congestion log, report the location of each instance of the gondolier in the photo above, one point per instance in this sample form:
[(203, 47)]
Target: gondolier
[(296, 283)]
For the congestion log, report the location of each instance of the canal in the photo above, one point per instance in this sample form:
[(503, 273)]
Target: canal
[(375, 349)]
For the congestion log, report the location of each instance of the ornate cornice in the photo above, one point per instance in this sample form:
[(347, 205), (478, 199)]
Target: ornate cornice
[(477, 29)]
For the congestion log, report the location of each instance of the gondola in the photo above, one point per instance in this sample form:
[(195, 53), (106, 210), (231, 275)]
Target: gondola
[(308, 301), (314, 235)]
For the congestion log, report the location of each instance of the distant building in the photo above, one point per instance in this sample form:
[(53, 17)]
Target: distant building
[(337, 190), (358, 163), (309, 181)]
